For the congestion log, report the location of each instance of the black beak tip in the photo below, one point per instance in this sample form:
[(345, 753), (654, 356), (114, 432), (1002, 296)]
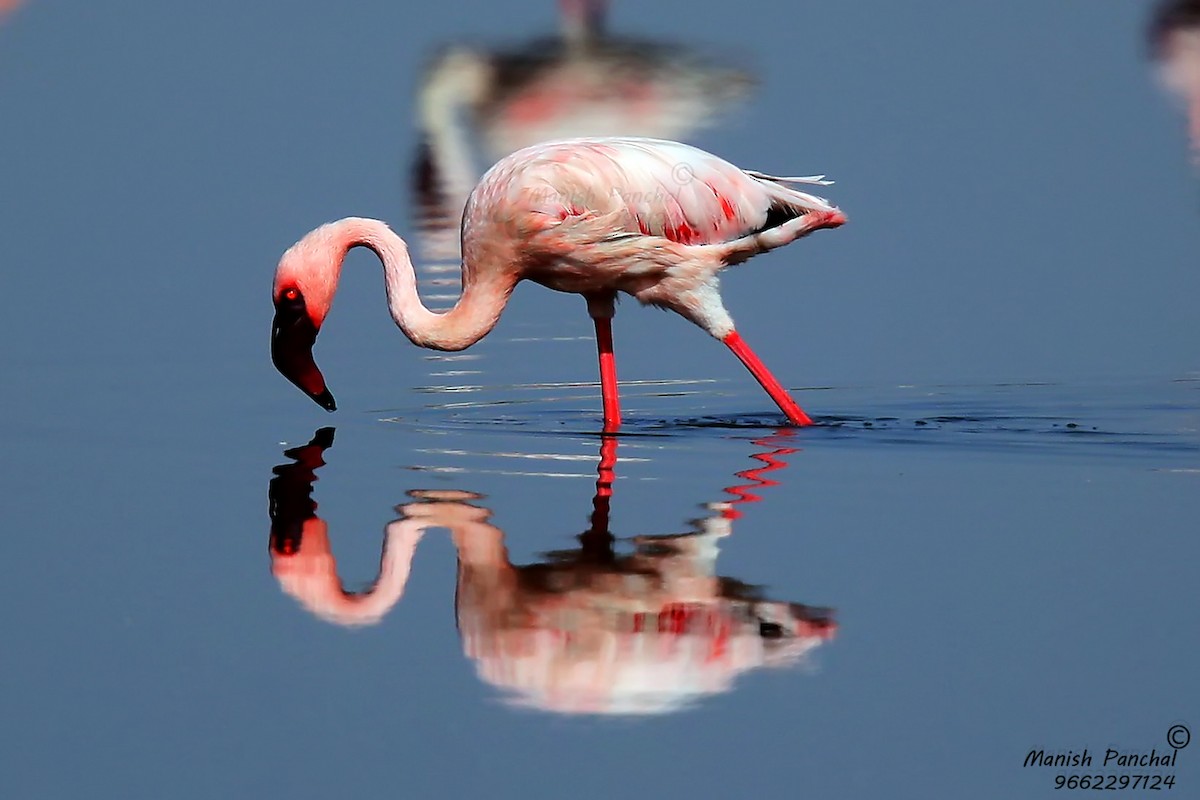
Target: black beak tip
[(325, 400)]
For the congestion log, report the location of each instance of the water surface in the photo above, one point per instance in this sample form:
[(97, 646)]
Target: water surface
[(986, 544)]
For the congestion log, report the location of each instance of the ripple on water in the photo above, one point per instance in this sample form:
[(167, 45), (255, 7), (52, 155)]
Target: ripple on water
[(1149, 421)]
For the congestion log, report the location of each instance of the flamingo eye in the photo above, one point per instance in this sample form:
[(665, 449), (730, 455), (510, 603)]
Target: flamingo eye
[(770, 630), (290, 294)]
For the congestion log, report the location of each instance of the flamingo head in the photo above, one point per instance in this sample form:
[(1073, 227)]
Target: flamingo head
[(305, 281)]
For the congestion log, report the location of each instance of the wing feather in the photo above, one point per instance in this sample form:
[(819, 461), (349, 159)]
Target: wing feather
[(653, 188)]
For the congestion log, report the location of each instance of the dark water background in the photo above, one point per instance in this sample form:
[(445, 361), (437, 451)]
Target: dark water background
[(999, 508)]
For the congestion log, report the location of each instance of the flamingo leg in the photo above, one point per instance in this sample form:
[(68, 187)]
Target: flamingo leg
[(608, 374), (759, 370), (598, 540)]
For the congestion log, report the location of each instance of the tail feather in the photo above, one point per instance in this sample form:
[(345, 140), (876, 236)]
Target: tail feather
[(791, 215), (812, 180), (790, 202)]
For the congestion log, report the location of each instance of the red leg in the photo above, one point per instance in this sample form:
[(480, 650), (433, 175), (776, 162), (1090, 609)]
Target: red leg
[(773, 461), (604, 481), (608, 374), (759, 370)]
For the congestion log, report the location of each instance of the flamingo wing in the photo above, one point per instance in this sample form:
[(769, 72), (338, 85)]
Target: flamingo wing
[(663, 189)]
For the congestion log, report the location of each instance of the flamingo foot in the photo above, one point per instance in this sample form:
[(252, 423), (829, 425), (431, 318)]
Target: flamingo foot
[(759, 370)]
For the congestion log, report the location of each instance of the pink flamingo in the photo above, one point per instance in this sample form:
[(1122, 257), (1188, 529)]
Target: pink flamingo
[(657, 220), (8, 5), (1175, 41)]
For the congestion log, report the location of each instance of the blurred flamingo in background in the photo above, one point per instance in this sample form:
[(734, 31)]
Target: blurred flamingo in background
[(8, 5), (654, 219), (1175, 41), (585, 82), (587, 630)]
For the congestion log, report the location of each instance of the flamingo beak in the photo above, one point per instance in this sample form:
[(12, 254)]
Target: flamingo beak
[(293, 334), (290, 493)]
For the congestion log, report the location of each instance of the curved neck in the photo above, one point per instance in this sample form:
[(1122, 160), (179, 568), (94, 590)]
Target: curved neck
[(311, 575), (484, 293)]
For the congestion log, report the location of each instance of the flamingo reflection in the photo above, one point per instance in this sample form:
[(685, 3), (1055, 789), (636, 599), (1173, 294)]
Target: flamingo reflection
[(1175, 41), (584, 82), (587, 630)]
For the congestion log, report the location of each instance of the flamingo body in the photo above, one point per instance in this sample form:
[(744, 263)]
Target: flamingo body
[(654, 219)]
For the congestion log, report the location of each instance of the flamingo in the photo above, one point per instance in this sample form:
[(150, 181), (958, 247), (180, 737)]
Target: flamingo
[(595, 629), (8, 5), (654, 219), (1175, 41)]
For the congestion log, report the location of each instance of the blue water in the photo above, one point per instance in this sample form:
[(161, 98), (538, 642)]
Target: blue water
[(986, 544)]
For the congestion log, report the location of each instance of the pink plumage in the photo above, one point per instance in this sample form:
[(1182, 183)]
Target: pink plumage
[(648, 186), (654, 219)]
